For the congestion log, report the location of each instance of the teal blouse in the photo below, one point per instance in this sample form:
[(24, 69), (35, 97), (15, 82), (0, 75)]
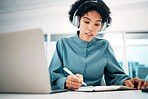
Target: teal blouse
[(91, 59)]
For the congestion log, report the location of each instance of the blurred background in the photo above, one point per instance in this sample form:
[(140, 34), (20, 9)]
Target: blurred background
[(128, 33)]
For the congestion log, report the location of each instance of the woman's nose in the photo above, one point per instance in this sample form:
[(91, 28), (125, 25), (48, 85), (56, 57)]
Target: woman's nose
[(90, 28)]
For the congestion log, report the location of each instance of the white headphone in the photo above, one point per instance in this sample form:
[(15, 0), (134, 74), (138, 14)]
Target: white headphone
[(76, 18)]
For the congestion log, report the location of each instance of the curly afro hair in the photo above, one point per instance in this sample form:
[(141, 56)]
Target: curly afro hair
[(84, 8)]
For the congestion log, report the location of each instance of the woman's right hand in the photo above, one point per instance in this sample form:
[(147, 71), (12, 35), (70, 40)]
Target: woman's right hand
[(73, 83)]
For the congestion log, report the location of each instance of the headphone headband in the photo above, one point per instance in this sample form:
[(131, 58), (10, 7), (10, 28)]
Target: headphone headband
[(86, 2), (82, 5)]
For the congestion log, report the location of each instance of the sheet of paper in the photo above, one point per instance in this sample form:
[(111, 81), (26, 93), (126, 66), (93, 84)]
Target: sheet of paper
[(102, 88)]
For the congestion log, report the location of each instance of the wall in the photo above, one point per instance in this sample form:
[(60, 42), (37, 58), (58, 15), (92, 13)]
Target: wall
[(130, 17), (127, 17)]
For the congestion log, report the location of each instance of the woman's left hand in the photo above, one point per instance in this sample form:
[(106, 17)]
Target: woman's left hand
[(136, 83)]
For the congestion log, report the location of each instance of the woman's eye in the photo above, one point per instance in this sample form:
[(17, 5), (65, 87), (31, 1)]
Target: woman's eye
[(97, 24), (86, 22)]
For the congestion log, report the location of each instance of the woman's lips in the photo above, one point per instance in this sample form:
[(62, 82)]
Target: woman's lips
[(89, 34)]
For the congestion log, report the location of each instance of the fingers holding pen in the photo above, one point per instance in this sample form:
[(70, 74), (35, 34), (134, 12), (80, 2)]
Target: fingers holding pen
[(73, 83), (80, 77)]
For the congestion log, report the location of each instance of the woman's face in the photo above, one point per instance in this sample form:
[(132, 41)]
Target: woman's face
[(90, 24)]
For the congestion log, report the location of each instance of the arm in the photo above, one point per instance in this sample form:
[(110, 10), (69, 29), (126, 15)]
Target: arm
[(114, 74), (57, 77)]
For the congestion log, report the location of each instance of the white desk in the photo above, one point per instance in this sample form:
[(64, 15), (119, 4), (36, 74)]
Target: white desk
[(130, 94)]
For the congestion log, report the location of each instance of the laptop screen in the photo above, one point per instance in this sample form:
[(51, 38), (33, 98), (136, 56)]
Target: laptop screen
[(23, 66)]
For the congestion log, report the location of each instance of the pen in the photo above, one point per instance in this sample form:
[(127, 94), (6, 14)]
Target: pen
[(69, 72)]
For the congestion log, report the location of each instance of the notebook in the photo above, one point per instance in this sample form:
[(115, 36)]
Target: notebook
[(104, 88), (23, 66)]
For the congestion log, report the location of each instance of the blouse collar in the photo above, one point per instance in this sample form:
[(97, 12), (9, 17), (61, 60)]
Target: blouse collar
[(84, 43)]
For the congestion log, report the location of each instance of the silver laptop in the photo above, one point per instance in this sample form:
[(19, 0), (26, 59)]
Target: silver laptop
[(23, 66)]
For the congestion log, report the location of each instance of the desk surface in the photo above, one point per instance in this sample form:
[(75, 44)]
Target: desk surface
[(130, 94)]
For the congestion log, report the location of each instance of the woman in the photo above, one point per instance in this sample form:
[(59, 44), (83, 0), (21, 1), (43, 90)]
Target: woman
[(86, 56)]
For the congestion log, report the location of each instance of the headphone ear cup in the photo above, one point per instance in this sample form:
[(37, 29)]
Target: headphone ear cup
[(75, 21), (103, 26)]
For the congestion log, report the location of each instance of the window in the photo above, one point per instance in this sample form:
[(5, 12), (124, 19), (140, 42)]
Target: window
[(137, 52)]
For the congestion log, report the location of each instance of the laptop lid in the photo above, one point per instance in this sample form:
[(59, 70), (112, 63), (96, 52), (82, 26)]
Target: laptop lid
[(23, 66)]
